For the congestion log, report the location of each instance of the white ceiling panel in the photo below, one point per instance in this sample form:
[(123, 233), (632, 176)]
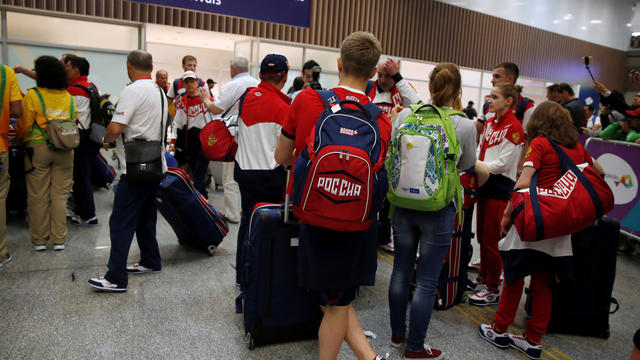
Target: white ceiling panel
[(604, 22)]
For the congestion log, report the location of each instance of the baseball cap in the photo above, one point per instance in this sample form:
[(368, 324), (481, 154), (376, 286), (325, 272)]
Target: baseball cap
[(634, 113), (189, 75), (274, 64)]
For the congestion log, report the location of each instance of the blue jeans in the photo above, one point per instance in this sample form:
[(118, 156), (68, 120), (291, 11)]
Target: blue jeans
[(134, 212), (432, 231)]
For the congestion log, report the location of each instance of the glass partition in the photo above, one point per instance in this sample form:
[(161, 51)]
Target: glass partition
[(71, 33)]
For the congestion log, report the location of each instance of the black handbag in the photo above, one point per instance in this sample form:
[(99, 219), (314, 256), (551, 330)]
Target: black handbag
[(144, 157)]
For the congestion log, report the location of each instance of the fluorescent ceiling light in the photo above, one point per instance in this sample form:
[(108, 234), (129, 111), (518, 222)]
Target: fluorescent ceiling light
[(635, 34), (628, 25), (596, 21), (556, 21), (583, 28)]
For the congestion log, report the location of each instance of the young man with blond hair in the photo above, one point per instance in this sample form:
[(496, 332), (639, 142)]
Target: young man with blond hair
[(334, 264)]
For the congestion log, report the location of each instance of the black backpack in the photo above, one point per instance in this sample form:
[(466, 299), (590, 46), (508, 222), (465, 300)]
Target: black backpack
[(102, 108)]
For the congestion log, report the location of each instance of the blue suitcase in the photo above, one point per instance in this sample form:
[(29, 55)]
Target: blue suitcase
[(102, 174), (274, 308), (192, 218)]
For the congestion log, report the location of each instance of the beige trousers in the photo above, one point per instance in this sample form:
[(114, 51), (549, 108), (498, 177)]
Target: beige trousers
[(48, 186), (4, 191)]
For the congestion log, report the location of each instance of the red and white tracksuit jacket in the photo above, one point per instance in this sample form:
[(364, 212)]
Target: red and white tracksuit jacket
[(500, 148)]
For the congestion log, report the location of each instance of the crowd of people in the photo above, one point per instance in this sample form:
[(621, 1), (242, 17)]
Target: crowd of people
[(506, 146)]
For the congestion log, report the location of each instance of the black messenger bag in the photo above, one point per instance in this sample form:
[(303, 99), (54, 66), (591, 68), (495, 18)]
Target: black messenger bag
[(144, 157)]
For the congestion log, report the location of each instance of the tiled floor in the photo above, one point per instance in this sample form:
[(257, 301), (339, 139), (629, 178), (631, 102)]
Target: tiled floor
[(188, 311)]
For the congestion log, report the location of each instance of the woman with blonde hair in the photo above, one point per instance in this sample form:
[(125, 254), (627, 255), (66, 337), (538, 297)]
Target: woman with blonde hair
[(549, 121), (500, 148), (428, 232)]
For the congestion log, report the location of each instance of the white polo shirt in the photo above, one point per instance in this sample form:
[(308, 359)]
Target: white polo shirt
[(232, 91), (139, 108)]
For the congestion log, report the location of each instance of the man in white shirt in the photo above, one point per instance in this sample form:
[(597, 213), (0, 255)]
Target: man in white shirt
[(227, 104), (141, 114)]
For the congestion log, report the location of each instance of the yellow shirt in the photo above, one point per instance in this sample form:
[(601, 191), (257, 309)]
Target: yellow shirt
[(58, 103), (11, 93)]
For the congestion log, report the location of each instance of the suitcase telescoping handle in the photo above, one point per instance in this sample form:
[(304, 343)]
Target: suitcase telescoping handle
[(287, 218)]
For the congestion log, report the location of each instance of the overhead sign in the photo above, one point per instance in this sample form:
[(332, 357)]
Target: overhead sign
[(287, 12)]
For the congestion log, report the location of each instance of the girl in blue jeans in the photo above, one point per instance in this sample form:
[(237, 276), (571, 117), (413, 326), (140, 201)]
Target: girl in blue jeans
[(427, 232)]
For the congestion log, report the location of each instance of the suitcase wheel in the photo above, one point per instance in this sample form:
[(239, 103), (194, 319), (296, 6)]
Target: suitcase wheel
[(211, 249), (250, 341)]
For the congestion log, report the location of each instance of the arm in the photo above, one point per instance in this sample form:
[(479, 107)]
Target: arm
[(284, 150), (598, 167), (509, 155), (113, 131), (19, 69), (523, 182), (467, 139), (15, 109), (25, 122), (206, 100)]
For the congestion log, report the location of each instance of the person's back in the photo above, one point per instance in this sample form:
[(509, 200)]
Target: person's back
[(333, 263), (262, 110), (426, 232), (50, 178), (140, 118), (11, 100)]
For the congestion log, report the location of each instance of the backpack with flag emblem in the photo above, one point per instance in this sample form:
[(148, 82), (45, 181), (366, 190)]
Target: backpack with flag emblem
[(422, 160), (339, 180)]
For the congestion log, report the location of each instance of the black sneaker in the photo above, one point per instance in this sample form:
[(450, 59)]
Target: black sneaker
[(77, 220), (136, 269), (489, 333), (520, 343), (103, 284)]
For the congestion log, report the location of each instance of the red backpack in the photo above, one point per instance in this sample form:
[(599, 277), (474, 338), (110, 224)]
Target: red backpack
[(339, 180), (217, 142)]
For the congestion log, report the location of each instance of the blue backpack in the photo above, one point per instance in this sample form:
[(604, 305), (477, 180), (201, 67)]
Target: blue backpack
[(339, 180)]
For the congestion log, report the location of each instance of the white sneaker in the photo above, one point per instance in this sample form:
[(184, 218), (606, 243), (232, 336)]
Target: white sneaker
[(388, 247), (136, 269), (59, 247), (101, 283), (474, 266), (523, 345), (485, 297), (489, 333), (40, 247)]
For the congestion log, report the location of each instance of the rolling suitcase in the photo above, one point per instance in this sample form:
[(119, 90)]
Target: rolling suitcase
[(16, 203), (581, 306), (274, 308), (453, 276), (190, 215), (102, 174)]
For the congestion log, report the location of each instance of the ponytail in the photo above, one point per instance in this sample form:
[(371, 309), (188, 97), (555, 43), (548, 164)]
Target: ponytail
[(444, 84), (508, 90)]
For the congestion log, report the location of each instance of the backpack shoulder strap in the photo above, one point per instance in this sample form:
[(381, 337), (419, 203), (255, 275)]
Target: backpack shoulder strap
[(72, 108), (242, 97), (326, 96), (370, 87), (3, 84), (521, 107)]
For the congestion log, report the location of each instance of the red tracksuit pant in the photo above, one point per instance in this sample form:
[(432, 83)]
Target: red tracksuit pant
[(540, 290), (489, 216)]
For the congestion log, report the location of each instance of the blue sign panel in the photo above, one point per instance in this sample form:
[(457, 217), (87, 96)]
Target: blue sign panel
[(287, 12)]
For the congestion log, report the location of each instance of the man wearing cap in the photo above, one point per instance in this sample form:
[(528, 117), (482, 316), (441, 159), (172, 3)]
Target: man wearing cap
[(191, 116), (624, 130), (261, 114), (210, 85)]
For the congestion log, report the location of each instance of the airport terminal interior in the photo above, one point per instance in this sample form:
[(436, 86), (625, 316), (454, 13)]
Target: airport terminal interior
[(188, 310)]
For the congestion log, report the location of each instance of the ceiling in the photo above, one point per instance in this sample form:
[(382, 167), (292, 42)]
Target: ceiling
[(604, 22), (162, 34)]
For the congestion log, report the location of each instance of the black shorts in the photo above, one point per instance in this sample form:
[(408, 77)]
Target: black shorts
[(336, 260), (342, 297)]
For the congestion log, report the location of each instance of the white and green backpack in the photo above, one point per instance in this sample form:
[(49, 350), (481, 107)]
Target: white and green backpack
[(422, 160)]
